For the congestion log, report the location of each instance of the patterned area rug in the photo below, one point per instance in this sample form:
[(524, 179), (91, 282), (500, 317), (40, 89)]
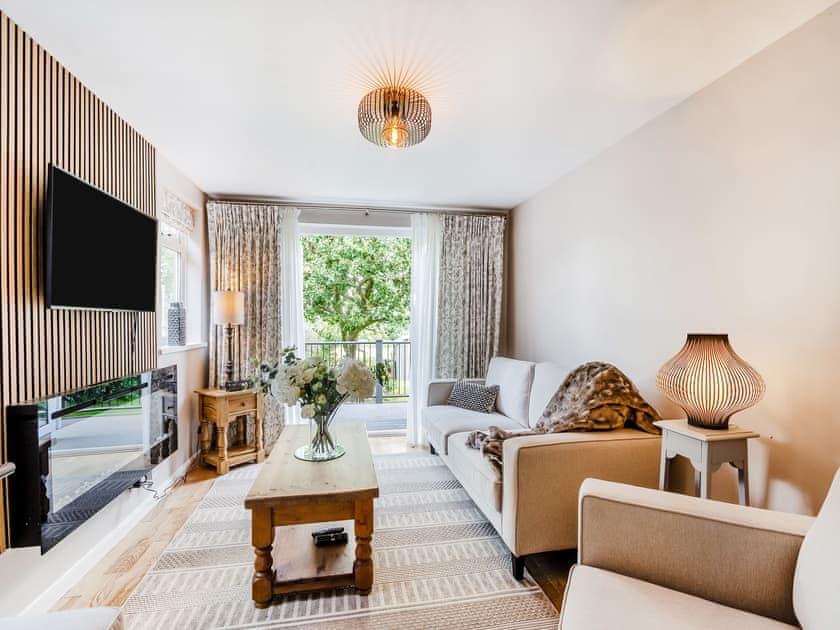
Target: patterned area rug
[(438, 564)]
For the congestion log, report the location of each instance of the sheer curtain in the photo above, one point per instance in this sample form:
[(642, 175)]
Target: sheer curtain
[(291, 287), (425, 265)]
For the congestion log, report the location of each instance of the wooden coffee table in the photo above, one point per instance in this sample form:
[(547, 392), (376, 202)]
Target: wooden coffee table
[(289, 494)]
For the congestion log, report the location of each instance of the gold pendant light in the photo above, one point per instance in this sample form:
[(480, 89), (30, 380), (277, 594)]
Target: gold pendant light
[(395, 117)]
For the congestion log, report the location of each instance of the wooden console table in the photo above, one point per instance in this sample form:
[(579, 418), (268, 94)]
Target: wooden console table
[(290, 493), (706, 449), (219, 408)]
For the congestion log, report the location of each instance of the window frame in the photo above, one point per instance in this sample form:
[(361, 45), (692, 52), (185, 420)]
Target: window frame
[(178, 244)]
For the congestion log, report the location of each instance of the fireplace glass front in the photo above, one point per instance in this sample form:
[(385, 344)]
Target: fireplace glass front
[(76, 452)]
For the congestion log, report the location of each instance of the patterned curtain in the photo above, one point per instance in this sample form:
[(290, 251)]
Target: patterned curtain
[(470, 294), (245, 242)]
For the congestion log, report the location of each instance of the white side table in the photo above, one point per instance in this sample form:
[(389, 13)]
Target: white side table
[(706, 449)]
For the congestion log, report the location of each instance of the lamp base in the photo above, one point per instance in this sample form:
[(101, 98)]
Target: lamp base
[(714, 426), (229, 351)]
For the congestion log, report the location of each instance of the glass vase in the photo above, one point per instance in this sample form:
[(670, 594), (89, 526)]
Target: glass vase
[(322, 446)]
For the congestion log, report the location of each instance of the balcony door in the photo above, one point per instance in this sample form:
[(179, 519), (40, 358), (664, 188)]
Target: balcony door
[(356, 303)]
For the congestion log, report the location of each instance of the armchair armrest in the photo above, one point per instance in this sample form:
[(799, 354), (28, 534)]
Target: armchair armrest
[(439, 389), (735, 555)]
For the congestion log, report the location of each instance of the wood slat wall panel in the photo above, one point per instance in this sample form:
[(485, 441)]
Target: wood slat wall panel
[(48, 116)]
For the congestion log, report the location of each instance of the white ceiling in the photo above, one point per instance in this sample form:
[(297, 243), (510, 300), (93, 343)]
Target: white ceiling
[(253, 97)]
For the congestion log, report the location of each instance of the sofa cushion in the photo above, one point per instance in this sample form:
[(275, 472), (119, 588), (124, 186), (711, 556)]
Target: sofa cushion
[(514, 380), (816, 583), (441, 421), (597, 599), (474, 472), (547, 379)]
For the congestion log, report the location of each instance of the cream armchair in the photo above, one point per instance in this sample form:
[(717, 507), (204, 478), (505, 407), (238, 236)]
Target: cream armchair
[(650, 559)]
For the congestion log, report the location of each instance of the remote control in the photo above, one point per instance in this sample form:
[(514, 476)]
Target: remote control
[(327, 532), (331, 539)]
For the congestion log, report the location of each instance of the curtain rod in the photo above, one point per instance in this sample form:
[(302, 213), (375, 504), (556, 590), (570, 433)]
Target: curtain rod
[(267, 201)]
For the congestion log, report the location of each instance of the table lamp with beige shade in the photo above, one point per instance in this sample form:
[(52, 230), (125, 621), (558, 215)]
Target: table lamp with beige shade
[(228, 311), (710, 381)]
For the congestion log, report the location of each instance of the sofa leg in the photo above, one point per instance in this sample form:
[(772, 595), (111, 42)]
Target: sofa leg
[(432, 449), (518, 565)]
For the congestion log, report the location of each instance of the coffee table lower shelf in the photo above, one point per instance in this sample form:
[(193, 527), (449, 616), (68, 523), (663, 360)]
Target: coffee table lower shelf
[(283, 538), (301, 566)]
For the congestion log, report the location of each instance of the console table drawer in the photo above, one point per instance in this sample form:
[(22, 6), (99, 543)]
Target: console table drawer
[(242, 403)]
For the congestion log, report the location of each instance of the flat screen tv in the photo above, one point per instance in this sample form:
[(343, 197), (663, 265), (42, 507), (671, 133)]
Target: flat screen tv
[(100, 252)]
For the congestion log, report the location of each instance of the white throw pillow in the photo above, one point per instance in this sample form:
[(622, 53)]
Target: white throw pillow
[(514, 379)]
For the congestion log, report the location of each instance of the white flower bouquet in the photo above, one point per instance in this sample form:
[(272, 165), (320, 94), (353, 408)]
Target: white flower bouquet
[(320, 390)]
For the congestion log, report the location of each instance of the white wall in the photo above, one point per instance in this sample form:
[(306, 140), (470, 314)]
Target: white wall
[(192, 361), (721, 215)]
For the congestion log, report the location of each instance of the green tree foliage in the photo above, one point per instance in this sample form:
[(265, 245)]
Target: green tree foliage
[(356, 286)]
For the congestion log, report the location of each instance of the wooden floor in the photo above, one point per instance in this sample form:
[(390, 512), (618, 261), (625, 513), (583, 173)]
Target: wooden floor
[(111, 581)]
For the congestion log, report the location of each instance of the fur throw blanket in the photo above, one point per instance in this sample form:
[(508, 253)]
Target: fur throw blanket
[(594, 397)]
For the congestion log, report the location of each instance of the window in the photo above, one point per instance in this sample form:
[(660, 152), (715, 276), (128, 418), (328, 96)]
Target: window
[(176, 226), (171, 260)]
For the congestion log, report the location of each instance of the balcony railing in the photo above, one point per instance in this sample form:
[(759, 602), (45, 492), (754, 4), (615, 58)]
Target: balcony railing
[(395, 354)]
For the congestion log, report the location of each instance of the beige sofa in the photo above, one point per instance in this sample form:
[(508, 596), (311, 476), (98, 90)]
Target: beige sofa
[(533, 504), (664, 560)]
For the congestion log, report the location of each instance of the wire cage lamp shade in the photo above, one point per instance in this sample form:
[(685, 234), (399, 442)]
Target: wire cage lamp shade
[(710, 381), (395, 117)]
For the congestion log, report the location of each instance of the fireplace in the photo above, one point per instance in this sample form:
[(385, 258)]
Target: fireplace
[(78, 451)]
